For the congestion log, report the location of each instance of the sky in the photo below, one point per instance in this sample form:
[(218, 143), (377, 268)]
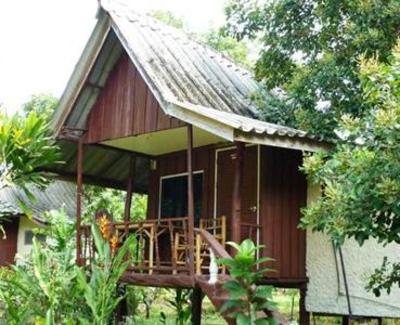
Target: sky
[(41, 40)]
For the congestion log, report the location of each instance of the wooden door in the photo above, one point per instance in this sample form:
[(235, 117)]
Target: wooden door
[(8, 242), (225, 177)]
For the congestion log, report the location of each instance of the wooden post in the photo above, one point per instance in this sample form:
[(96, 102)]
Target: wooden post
[(197, 299), (79, 193), (304, 314), (190, 195), (236, 197), (129, 191), (345, 320)]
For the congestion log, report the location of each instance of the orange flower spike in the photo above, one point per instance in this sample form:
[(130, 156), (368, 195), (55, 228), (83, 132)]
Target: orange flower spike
[(104, 225), (114, 242)]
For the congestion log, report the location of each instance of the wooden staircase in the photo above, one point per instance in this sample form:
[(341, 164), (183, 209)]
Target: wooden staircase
[(215, 291), (218, 296)]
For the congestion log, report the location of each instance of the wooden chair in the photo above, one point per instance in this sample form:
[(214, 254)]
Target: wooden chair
[(216, 227)]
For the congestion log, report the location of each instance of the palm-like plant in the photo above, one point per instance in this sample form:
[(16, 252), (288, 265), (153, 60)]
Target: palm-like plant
[(246, 299), (26, 148), (100, 287)]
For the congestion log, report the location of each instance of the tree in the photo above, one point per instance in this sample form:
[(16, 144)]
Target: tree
[(169, 18), (26, 148), (311, 51), (361, 176), (229, 46), (99, 198), (42, 104)]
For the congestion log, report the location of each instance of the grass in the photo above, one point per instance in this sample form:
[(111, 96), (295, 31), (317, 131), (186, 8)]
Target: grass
[(285, 298)]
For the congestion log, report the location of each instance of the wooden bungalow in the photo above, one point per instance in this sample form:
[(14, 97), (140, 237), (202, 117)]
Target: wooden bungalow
[(150, 110), (19, 227)]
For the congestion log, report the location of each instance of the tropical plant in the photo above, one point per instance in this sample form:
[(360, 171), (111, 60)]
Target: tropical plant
[(360, 178), (48, 288), (246, 299), (26, 148), (182, 306), (100, 288), (42, 287), (311, 51)]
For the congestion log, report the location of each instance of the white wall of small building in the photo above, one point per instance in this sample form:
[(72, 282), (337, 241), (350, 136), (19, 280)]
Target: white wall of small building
[(326, 292), (25, 224)]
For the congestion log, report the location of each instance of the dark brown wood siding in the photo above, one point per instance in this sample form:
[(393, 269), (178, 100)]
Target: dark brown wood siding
[(8, 243), (126, 107), (283, 194), (175, 163), (248, 192)]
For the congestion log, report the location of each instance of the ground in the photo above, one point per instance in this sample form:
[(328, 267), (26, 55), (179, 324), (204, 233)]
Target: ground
[(283, 297)]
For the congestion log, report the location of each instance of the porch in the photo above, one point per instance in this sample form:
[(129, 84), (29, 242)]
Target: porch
[(162, 255)]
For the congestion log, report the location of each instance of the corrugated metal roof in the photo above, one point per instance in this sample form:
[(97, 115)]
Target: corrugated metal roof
[(58, 194), (179, 71), (243, 123), (179, 67), (103, 166)]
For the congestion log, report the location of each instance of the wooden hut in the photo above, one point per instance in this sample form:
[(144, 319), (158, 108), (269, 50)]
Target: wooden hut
[(150, 110), (18, 227)]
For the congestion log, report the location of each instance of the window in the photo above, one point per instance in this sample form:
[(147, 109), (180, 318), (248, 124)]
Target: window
[(29, 237), (174, 202)]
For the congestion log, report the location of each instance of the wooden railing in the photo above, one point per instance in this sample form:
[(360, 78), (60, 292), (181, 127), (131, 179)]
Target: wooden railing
[(162, 245), (249, 230)]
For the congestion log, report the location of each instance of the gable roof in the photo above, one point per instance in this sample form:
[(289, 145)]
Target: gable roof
[(58, 194), (184, 75)]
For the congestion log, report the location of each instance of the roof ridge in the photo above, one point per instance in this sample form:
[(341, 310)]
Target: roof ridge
[(171, 31)]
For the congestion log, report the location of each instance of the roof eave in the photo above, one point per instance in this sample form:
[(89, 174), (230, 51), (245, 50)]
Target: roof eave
[(288, 142), (81, 72), (232, 133)]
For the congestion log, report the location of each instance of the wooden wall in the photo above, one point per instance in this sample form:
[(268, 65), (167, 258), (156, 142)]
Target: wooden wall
[(126, 107), (283, 191), (8, 244), (175, 163), (283, 194)]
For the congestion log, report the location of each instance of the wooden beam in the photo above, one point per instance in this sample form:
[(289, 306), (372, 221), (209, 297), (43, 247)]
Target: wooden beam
[(345, 320), (79, 193), (190, 196), (303, 313), (129, 191), (197, 299), (236, 197), (158, 280)]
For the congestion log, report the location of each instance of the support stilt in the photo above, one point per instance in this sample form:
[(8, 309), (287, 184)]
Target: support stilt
[(345, 320), (197, 299), (304, 314)]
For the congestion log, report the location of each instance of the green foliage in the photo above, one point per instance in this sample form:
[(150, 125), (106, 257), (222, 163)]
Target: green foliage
[(43, 104), (25, 148), (43, 287), (100, 290), (48, 288), (361, 176), (245, 297), (229, 46), (169, 18), (384, 278), (181, 305), (311, 51), (99, 198)]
